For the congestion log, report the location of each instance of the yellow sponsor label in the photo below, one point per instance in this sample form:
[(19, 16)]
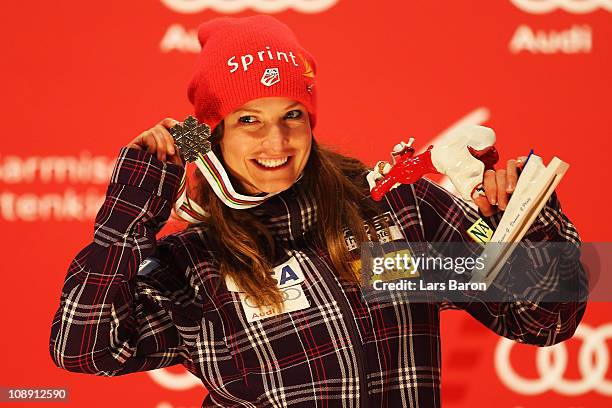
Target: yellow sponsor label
[(405, 270), (480, 231)]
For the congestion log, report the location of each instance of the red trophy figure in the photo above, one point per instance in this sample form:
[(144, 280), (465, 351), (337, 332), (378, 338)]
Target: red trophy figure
[(463, 156)]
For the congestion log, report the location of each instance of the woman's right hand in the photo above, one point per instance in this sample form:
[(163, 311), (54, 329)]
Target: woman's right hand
[(159, 141)]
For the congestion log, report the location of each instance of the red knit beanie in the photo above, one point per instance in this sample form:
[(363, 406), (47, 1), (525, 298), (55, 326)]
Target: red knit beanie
[(249, 58)]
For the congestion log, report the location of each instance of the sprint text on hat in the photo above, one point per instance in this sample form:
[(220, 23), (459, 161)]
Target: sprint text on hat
[(247, 59)]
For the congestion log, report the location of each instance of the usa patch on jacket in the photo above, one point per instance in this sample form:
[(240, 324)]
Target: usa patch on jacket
[(289, 277)]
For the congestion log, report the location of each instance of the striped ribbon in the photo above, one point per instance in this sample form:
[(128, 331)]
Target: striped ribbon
[(215, 174)]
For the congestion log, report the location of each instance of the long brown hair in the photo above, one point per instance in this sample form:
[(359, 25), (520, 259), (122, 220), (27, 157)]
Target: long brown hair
[(246, 248)]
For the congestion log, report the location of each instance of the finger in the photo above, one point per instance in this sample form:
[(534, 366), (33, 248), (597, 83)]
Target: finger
[(169, 142), (490, 186), (168, 122), (520, 161), (139, 141), (176, 159), (148, 142), (159, 131), (161, 143), (485, 207), (133, 145), (511, 175), (502, 195)]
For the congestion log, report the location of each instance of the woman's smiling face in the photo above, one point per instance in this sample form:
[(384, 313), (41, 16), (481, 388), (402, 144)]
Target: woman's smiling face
[(266, 143)]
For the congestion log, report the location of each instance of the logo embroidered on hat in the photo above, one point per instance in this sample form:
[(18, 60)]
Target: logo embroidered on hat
[(267, 54), (270, 77), (308, 71)]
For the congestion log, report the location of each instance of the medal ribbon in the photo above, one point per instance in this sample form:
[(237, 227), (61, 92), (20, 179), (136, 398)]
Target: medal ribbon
[(217, 177)]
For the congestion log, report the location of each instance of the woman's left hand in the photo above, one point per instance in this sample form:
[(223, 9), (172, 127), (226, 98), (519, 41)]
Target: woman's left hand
[(498, 186)]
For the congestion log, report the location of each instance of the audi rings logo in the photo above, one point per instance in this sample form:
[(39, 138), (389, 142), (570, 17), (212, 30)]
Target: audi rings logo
[(593, 363), (571, 6), (235, 6), (290, 293)]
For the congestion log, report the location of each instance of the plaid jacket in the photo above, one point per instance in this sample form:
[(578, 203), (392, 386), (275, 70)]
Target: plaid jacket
[(117, 316)]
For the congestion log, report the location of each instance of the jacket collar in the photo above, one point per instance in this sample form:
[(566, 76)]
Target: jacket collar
[(289, 215)]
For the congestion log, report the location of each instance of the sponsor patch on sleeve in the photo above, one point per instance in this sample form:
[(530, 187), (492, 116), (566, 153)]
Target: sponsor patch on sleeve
[(480, 231), (148, 265)]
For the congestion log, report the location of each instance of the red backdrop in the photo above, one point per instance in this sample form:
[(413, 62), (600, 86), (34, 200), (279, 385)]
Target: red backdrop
[(81, 79)]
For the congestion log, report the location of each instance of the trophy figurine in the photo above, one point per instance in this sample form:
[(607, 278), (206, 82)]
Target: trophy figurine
[(463, 156)]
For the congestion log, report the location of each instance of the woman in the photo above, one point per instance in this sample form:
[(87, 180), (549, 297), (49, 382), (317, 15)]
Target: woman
[(263, 303)]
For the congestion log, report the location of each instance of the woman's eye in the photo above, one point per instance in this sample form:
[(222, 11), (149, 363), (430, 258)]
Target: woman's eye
[(247, 119), (294, 114)]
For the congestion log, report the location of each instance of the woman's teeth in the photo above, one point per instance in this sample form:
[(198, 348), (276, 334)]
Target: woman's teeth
[(271, 163)]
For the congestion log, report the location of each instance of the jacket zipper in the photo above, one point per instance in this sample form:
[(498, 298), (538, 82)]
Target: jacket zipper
[(347, 314)]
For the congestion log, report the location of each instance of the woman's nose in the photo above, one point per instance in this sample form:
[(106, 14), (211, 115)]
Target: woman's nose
[(276, 139)]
